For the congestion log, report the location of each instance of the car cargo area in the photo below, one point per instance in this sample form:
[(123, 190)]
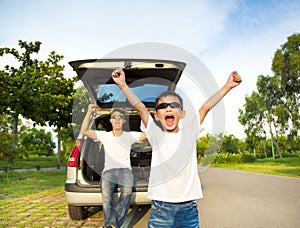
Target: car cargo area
[(93, 157)]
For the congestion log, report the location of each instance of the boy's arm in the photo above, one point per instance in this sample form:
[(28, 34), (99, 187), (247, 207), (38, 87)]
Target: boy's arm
[(118, 76), (233, 81), (85, 124)]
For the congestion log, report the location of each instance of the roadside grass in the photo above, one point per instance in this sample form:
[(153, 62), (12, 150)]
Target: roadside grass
[(289, 166), (16, 184), (32, 161)]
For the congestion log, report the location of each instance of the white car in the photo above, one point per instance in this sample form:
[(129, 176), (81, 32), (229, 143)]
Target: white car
[(148, 78)]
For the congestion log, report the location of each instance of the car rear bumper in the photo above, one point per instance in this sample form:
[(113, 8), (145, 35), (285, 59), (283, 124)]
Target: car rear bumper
[(90, 196)]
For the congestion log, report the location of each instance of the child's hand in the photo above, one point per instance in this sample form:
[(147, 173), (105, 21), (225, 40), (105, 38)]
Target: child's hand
[(234, 79), (118, 76)]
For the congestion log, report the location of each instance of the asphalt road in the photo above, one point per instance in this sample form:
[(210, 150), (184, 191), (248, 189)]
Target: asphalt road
[(242, 199), (238, 199)]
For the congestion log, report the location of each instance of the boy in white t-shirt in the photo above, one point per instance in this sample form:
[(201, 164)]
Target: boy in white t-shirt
[(117, 168), (174, 184)]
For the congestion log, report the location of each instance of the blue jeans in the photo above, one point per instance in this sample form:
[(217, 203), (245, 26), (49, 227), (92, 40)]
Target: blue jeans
[(173, 215), (115, 212)]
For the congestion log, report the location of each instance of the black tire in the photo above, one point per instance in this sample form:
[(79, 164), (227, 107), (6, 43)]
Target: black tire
[(76, 213)]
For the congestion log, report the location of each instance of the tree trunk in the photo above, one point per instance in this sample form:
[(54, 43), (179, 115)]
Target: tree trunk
[(272, 140), (59, 145), (265, 142), (265, 149), (277, 146), (14, 139)]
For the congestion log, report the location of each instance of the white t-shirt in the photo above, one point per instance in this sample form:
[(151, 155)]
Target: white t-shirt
[(174, 170), (117, 149)]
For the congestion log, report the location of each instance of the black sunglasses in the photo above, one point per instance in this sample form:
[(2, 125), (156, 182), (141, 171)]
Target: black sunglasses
[(165, 105), (117, 117)]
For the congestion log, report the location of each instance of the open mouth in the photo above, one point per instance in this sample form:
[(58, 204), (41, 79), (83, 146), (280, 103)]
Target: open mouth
[(169, 120)]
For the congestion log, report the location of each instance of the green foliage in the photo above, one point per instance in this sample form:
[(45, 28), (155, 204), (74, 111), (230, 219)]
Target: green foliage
[(5, 136), (222, 149), (31, 161), (80, 105), (212, 144), (68, 142), (230, 144), (36, 142), (274, 109), (209, 144), (234, 158), (36, 90)]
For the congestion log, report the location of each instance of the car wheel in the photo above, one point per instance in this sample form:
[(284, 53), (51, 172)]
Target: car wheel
[(76, 213)]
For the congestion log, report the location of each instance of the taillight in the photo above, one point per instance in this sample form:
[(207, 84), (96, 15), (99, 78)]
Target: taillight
[(73, 158)]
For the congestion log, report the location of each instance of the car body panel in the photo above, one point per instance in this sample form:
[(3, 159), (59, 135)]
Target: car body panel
[(95, 198)]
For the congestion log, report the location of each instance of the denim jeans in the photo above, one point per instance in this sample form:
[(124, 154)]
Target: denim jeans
[(173, 215), (115, 212)]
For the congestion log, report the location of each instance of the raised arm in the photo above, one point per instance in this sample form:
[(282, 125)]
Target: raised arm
[(86, 121), (233, 81), (118, 76)]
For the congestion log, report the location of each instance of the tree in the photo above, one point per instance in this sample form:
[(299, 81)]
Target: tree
[(80, 105), (19, 86), (68, 141), (5, 136), (230, 144), (286, 66), (268, 89), (57, 96), (36, 90), (252, 117), (209, 144), (36, 142), (274, 108)]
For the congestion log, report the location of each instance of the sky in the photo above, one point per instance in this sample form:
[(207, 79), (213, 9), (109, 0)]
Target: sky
[(225, 35)]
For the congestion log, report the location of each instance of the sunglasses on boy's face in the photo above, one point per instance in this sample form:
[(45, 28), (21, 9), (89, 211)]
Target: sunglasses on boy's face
[(117, 117), (165, 105)]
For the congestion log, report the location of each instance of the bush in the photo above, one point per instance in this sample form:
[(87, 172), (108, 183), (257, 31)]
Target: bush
[(234, 158), (290, 154), (248, 157)]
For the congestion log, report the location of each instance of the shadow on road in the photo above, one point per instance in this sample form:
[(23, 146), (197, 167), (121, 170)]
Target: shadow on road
[(137, 217)]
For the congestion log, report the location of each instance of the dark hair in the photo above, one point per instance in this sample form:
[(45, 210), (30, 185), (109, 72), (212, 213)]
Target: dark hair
[(169, 93), (118, 110)]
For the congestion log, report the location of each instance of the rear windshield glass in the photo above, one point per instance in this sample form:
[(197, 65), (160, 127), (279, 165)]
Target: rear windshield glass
[(111, 93)]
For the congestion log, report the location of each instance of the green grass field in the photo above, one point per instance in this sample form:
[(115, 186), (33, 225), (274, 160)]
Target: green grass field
[(283, 167), (22, 183), (32, 161)]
